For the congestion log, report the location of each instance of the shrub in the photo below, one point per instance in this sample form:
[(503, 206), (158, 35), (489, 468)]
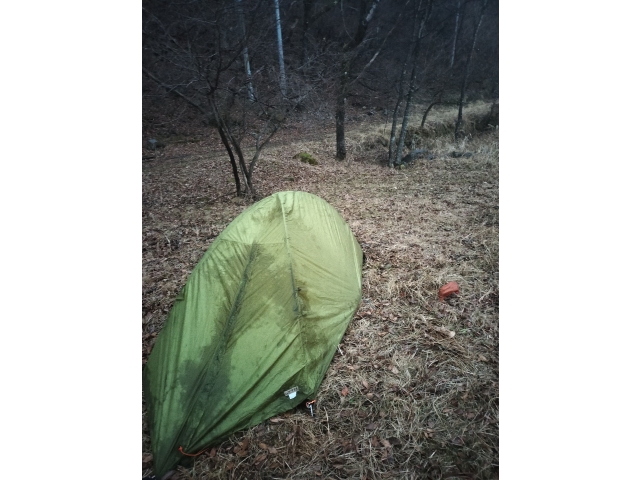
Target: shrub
[(307, 158)]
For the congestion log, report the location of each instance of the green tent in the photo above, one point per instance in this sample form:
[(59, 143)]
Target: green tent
[(261, 314)]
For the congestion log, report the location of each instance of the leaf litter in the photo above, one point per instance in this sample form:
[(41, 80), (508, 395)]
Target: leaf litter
[(423, 401)]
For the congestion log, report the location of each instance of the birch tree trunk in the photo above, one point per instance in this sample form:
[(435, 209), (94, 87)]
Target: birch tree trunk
[(283, 78), (465, 76)]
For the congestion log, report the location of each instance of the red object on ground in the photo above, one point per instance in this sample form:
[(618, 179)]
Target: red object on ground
[(448, 289)]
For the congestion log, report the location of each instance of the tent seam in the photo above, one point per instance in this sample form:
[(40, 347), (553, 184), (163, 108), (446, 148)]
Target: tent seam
[(293, 281)]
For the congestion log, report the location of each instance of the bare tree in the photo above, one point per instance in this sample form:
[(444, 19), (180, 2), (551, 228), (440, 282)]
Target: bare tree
[(197, 60), (416, 51), (403, 71), (443, 76), (348, 55), (395, 148), (312, 11), (465, 76)]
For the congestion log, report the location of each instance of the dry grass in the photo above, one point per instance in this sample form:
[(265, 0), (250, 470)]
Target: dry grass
[(435, 136), (422, 375)]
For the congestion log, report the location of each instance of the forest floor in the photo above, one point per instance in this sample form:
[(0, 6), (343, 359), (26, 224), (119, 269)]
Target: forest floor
[(412, 391)]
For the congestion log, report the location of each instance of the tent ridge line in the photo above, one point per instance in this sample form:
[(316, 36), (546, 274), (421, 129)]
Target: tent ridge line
[(298, 307)]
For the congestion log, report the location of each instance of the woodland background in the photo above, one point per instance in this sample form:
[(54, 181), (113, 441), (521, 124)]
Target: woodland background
[(247, 67), (389, 111), (71, 207)]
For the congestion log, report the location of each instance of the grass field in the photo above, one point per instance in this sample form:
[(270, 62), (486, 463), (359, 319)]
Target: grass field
[(412, 391)]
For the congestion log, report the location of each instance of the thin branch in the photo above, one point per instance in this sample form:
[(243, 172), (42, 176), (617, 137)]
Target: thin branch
[(381, 45), (173, 90)]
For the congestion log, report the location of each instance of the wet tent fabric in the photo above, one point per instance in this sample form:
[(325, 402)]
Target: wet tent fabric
[(261, 313)]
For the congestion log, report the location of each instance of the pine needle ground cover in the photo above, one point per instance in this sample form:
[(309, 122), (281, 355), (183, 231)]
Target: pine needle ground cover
[(412, 391)]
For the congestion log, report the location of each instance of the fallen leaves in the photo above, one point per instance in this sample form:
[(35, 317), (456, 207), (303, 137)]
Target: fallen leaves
[(297, 431), (387, 453), (241, 449), (390, 331), (395, 441), (349, 445)]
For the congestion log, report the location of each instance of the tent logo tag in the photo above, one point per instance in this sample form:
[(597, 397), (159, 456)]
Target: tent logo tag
[(291, 393)]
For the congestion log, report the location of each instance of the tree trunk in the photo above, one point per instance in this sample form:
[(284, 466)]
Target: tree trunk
[(234, 166), (455, 36), (465, 77), (414, 59), (214, 114), (437, 101), (256, 155), (405, 118), (345, 69), (283, 79), (341, 100), (245, 51), (246, 175), (392, 133)]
